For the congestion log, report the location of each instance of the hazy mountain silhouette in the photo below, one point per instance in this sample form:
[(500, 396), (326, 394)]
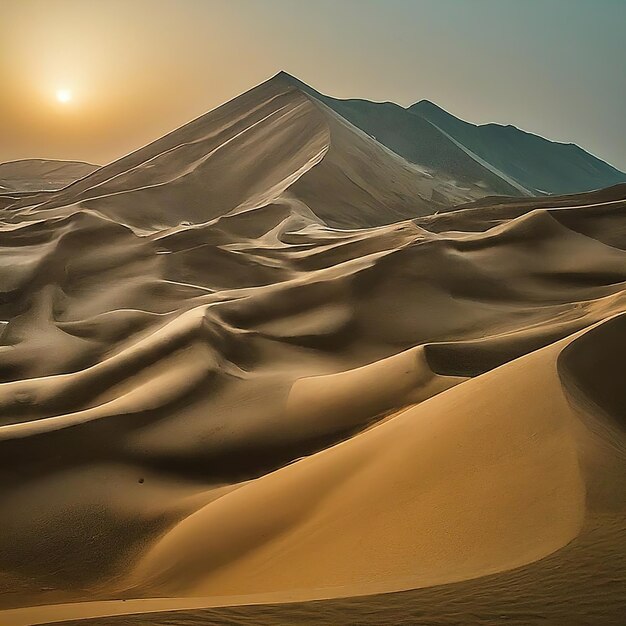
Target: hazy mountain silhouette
[(536, 163), (504, 159)]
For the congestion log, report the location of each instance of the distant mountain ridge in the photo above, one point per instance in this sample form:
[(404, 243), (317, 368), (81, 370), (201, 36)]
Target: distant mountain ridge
[(538, 164), (503, 159)]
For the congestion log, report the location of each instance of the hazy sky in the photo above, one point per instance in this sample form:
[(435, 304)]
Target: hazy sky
[(139, 68)]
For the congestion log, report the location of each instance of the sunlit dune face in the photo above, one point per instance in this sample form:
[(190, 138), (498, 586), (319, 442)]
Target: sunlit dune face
[(64, 95)]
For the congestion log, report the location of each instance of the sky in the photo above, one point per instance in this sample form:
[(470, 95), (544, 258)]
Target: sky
[(137, 69)]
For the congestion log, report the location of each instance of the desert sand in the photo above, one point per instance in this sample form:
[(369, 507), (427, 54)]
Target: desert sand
[(30, 175), (261, 360)]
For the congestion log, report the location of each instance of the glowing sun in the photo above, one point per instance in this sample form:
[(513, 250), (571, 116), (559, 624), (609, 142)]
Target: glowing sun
[(64, 95)]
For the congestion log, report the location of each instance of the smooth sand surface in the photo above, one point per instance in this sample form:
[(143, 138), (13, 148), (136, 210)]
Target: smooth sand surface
[(233, 371)]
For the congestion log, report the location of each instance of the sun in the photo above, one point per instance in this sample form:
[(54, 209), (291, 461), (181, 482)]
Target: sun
[(64, 95)]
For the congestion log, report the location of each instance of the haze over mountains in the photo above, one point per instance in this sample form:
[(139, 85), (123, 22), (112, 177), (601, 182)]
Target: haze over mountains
[(263, 359)]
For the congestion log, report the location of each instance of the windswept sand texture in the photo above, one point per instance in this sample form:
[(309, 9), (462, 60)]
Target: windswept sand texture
[(233, 370)]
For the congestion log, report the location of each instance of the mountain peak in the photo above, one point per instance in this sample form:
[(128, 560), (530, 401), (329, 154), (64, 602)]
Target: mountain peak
[(426, 105), (424, 102), (283, 74), (286, 77)]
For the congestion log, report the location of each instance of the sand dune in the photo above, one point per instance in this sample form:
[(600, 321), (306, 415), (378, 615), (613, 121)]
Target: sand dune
[(33, 175), (232, 367)]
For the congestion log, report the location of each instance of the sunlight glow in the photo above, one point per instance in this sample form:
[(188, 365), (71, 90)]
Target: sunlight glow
[(64, 95)]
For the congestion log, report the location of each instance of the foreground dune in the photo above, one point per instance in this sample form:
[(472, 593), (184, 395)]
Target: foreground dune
[(226, 382), (388, 508)]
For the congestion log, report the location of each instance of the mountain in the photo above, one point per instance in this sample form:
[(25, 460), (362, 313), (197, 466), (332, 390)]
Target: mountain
[(419, 141), (350, 163), (32, 175), (394, 163), (502, 159), (537, 164), (273, 144)]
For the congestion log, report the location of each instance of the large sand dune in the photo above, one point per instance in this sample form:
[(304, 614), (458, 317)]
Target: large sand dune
[(232, 367)]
